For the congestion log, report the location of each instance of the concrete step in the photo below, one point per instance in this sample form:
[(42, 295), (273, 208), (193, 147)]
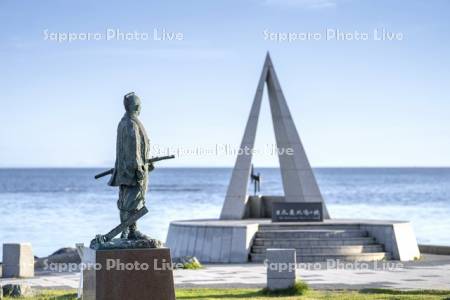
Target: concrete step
[(283, 234), (297, 226), (330, 250), (259, 257), (305, 242)]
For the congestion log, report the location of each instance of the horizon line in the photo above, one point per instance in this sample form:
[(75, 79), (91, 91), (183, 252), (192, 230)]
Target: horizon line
[(231, 167)]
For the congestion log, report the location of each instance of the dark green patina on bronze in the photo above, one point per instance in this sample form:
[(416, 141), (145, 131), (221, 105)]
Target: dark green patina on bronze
[(130, 174)]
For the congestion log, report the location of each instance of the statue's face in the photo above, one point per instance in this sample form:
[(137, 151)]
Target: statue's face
[(137, 106), (134, 106)]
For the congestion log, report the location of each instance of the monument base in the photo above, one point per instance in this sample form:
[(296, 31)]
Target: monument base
[(239, 241), (128, 274)]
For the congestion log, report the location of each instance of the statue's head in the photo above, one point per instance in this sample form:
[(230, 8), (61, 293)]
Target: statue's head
[(132, 103)]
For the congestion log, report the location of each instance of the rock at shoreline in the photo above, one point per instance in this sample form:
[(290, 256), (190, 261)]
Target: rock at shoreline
[(17, 290), (65, 250), (62, 256)]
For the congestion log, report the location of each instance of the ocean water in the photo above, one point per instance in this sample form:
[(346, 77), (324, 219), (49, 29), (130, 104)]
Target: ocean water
[(54, 208)]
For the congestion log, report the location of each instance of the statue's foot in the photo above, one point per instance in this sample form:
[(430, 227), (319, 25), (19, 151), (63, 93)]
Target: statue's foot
[(98, 241), (137, 235)]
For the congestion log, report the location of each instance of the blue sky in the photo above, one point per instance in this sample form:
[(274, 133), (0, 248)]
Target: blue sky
[(355, 103)]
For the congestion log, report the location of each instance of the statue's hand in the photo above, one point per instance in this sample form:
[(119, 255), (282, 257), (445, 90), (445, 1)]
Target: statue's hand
[(140, 174)]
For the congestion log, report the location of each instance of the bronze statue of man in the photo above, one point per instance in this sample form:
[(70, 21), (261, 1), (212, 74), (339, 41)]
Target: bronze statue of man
[(131, 168)]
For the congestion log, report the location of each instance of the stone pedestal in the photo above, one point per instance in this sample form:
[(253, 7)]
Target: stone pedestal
[(131, 274), (281, 265), (18, 260)]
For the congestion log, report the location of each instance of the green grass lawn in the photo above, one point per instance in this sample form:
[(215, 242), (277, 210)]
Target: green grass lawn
[(257, 294)]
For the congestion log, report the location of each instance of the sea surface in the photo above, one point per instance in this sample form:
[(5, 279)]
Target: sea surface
[(54, 208)]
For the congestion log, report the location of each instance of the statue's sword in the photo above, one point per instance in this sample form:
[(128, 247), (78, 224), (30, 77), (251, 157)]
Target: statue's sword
[(121, 227), (149, 161)]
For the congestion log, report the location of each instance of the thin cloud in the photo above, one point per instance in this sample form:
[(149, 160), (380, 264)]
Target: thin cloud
[(307, 4)]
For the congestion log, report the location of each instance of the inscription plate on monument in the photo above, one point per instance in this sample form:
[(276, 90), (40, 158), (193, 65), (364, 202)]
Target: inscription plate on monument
[(297, 212)]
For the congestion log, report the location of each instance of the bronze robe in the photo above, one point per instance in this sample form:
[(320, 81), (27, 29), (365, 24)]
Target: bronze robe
[(131, 170)]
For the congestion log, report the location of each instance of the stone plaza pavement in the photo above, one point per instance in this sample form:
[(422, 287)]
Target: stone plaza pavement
[(431, 272)]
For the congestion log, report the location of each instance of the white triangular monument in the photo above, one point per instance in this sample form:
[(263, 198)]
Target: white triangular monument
[(299, 183)]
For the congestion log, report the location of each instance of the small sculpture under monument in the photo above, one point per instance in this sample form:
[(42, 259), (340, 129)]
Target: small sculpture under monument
[(256, 180), (130, 174)]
